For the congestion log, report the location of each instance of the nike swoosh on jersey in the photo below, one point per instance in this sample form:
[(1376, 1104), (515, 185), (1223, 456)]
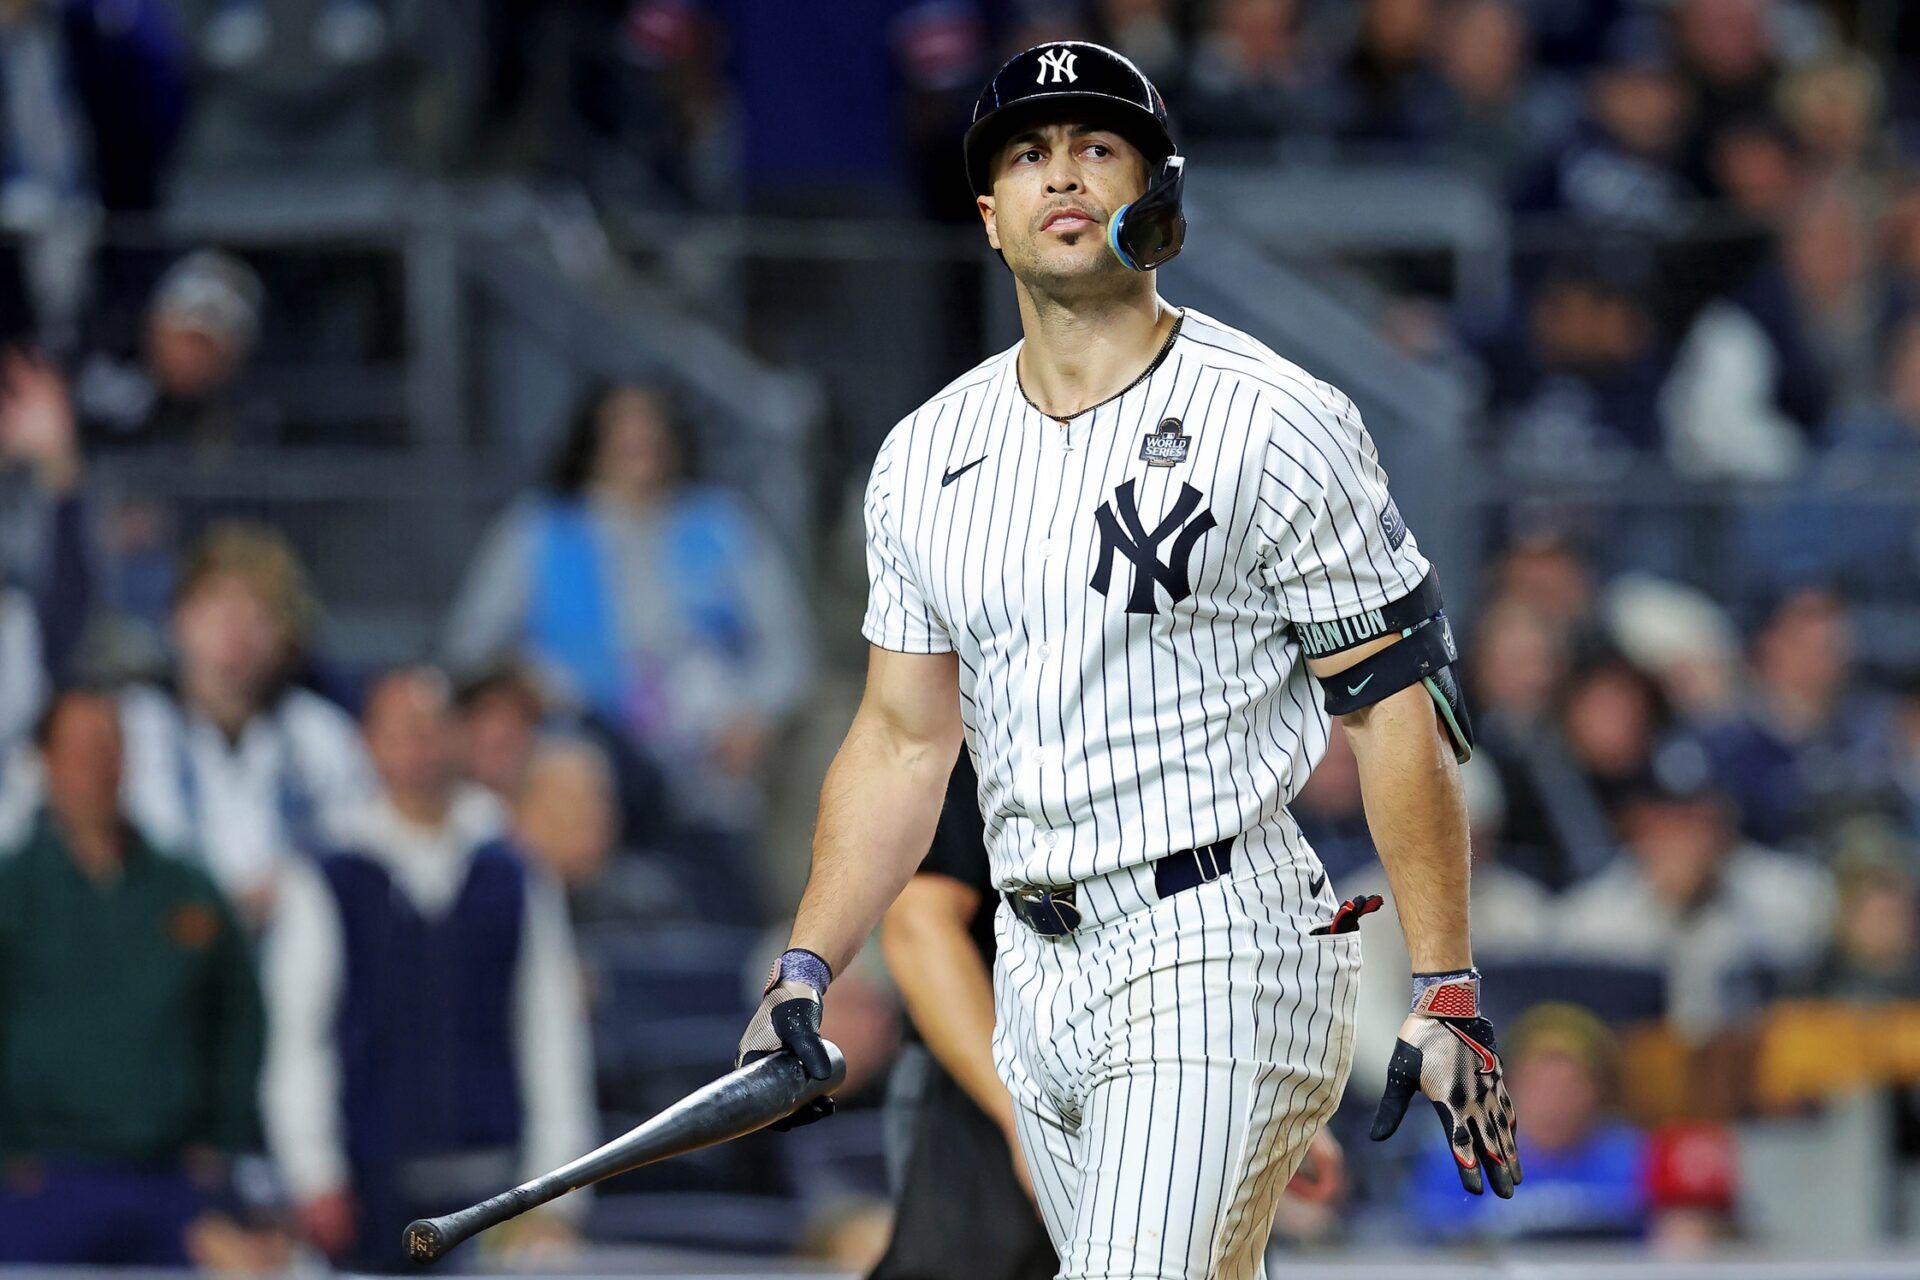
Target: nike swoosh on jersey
[(948, 477), (1353, 689)]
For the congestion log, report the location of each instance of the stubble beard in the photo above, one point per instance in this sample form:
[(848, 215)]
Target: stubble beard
[(1075, 282)]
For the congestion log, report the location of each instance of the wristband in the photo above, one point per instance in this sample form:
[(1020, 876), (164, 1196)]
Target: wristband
[(1447, 995), (800, 965)]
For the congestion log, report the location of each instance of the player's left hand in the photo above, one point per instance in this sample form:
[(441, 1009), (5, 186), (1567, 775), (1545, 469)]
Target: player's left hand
[(1447, 1051)]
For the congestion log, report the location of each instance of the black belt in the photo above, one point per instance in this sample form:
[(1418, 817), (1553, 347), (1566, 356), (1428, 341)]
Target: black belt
[(1054, 912)]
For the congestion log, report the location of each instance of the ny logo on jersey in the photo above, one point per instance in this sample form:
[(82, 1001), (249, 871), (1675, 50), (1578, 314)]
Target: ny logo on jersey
[(1057, 65), (1122, 532)]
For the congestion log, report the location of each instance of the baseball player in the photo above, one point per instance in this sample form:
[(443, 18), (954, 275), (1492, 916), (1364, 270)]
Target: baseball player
[(1116, 560)]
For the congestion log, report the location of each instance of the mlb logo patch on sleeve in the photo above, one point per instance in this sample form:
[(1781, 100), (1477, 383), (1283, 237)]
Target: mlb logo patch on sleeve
[(1392, 525)]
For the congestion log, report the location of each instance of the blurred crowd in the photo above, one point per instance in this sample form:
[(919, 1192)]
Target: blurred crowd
[(1715, 222), (292, 950), (236, 917), (1689, 829), (1713, 213)]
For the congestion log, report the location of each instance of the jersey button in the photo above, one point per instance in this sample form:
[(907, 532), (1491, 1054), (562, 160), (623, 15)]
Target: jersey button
[(1048, 548), (1040, 756), (1045, 651), (1051, 839)]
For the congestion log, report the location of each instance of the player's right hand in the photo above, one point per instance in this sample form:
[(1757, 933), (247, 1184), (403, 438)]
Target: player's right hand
[(1446, 1050), (789, 1018)]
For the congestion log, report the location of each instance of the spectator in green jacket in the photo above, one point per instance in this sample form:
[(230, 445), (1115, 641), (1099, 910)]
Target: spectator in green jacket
[(130, 1022)]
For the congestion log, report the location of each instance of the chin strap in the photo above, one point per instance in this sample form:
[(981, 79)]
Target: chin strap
[(1147, 232)]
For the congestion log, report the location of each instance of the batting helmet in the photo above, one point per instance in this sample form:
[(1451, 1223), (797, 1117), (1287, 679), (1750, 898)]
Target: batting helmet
[(1093, 84)]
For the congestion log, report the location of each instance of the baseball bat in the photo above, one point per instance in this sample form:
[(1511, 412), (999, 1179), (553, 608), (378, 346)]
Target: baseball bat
[(749, 1098)]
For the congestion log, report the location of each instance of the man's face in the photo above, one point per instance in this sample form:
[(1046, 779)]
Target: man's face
[(1727, 41), (635, 452), (1644, 109), (82, 760), (410, 734), (1558, 1095), (228, 636), (1055, 187), (1878, 926), (1609, 723), (1679, 845), (1806, 651), (497, 732), (1519, 661), (566, 817), (186, 360), (1484, 50)]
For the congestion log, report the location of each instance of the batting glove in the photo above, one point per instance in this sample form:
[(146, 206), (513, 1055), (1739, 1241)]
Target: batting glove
[(1446, 1051), (789, 1018)]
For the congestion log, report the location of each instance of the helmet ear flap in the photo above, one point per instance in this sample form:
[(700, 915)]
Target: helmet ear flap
[(1148, 232)]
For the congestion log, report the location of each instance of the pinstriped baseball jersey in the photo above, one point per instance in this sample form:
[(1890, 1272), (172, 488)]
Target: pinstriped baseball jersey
[(1127, 592)]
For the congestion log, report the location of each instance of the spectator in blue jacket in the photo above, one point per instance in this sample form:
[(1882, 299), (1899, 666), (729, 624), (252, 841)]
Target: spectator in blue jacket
[(663, 606)]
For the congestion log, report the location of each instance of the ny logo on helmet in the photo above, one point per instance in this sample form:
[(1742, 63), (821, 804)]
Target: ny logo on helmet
[(1056, 67)]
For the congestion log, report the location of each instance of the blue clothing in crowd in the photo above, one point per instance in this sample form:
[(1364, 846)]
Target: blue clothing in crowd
[(442, 985), (1784, 787), (77, 1213), (1594, 1190)]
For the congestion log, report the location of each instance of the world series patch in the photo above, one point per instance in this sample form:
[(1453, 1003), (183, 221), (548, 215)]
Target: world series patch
[(1164, 445)]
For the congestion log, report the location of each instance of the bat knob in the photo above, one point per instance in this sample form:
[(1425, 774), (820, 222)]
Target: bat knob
[(424, 1240)]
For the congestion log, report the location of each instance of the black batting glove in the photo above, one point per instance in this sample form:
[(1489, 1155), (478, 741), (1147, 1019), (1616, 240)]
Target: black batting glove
[(1447, 1051), (789, 1018)]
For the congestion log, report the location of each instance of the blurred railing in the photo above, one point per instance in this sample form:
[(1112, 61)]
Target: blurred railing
[(479, 313), (1854, 528), (1369, 228), (432, 340), (1305, 212), (886, 313)]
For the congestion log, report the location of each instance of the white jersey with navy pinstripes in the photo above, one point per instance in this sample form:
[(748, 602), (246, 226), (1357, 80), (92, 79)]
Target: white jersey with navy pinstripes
[(1126, 591)]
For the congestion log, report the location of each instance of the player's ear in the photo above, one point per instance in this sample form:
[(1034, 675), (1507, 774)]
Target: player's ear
[(985, 205)]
